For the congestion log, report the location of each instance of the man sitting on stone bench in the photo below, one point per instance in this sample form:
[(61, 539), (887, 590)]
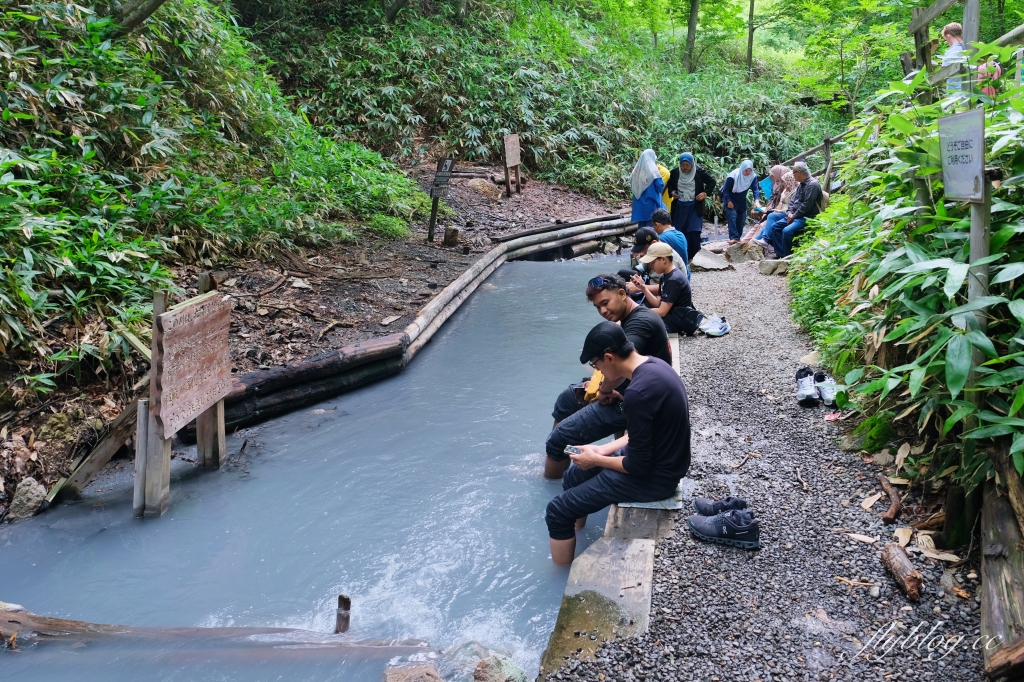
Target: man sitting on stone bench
[(577, 421), (646, 464)]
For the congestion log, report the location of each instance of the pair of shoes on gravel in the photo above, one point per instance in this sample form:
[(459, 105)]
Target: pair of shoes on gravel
[(815, 387), (714, 326), (725, 522)]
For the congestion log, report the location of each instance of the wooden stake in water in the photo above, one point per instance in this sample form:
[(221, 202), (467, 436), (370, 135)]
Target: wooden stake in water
[(211, 439)]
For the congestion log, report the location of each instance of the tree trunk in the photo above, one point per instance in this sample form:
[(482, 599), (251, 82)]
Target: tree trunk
[(750, 43), (961, 512), (131, 15), (691, 36), (392, 9)]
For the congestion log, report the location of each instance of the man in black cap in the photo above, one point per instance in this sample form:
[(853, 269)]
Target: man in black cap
[(577, 421), (643, 466)]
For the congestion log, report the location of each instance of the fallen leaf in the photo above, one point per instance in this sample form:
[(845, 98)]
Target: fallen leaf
[(918, 449), (388, 320), (868, 502), (811, 358), (925, 542), (3, 433), (863, 538), (941, 556), (229, 282), (834, 416), (899, 481), (299, 283), (903, 535), (262, 311), (960, 592), (901, 455)]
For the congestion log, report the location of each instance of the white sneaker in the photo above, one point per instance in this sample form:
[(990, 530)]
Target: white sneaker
[(806, 391), (761, 242), (826, 386)]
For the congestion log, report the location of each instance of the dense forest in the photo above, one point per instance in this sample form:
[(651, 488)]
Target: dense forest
[(140, 133)]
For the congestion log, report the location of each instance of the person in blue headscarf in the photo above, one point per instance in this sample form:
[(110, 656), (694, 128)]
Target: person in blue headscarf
[(647, 186), (734, 198), (689, 185)]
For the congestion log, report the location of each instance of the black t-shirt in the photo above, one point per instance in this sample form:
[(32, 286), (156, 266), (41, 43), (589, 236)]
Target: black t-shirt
[(658, 422), (645, 329), (675, 289)]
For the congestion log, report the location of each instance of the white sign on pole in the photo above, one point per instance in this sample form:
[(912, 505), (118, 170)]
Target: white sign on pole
[(962, 143)]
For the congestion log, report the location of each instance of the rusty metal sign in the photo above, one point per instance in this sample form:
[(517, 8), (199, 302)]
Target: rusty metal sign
[(512, 156), (191, 361)]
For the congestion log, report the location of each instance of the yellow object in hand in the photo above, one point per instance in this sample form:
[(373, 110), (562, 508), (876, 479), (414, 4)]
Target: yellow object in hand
[(595, 383)]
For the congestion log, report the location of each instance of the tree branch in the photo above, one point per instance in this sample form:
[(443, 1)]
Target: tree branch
[(131, 15)]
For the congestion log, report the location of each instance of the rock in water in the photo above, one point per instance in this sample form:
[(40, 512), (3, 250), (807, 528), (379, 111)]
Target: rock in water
[(27, 499), (705, 260), (743, 252), (423, 672), (497, 668), (489, 190)]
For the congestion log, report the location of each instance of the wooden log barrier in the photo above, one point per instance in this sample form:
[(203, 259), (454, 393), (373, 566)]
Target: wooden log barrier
[(262, 394), (1002, 587)]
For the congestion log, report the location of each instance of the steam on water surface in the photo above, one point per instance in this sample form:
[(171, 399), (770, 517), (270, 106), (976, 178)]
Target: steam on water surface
[(420, 497)]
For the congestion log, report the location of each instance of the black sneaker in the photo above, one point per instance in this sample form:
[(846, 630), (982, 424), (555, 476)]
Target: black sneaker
[(706, 507), (736, 528), (806, 391)]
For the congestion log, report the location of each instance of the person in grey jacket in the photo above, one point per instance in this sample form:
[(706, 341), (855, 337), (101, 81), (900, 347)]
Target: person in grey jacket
[(805, 204)]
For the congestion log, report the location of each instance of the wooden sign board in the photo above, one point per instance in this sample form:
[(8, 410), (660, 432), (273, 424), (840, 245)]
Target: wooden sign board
[(191, 361), (512, 155), (962, 145)]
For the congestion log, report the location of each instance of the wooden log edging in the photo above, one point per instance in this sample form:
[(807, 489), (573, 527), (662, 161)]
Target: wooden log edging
[(1002, 587), (263, 394)]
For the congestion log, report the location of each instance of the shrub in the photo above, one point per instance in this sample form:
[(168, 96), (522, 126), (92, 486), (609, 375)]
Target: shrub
[(388, 227)]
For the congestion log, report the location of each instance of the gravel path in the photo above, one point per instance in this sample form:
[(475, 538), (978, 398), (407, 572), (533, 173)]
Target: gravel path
[(724, 614)]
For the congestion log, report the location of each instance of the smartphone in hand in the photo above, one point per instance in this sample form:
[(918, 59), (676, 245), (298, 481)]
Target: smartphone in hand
[(572, 450)]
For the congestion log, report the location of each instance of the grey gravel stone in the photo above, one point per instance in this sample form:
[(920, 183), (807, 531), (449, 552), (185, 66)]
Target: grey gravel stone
[(779, 613), (27, 499)]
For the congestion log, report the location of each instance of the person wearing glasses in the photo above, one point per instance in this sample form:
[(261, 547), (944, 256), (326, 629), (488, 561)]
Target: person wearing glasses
[(578, 421), (643, 466)]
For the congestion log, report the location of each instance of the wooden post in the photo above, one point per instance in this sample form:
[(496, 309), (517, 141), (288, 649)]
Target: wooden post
[(508, 183), (141, 443), (827, 151), (211, 439), (1002, 587), (922, 55), (344, 614), (519, 183), (157, 484), (972, 23), (433, 219)]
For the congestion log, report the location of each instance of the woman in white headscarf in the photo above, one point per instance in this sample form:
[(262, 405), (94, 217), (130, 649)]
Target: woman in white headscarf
[(647, 186), (734, 198)]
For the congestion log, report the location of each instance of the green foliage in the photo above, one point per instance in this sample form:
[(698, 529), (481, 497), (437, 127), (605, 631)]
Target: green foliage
[(121, 155), (876, 431), (901, 328), (388, 227), (585, 94)]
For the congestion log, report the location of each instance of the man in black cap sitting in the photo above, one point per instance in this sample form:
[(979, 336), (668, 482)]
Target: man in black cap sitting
[(577, 421), (646, 464)]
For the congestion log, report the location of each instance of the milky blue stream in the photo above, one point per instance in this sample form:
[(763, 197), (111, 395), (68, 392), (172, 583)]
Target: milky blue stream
[(420, 497)]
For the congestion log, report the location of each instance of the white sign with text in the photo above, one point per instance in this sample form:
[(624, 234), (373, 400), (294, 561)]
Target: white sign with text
[(962, 142)]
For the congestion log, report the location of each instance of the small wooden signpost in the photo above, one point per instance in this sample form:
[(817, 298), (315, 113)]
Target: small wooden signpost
[(190, 375), (962, 145), (439, 190), (512, 161)]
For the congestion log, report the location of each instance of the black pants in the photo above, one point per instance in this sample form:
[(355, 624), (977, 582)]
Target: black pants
[(590, 491), (692, 244)]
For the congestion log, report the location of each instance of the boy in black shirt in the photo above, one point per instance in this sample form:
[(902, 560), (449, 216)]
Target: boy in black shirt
[(643, 466), (580, 422), (672, 298)]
